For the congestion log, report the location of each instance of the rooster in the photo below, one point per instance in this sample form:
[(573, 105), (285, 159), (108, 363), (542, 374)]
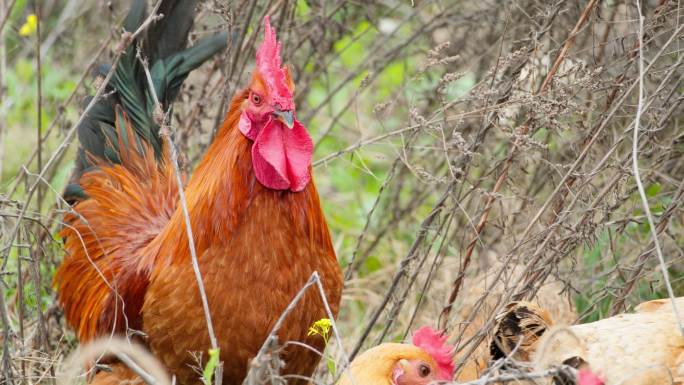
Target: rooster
[(259, 230), (425, 361)]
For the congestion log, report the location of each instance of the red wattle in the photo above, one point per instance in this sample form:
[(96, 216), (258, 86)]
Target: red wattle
[(281, 157), (246, 127)]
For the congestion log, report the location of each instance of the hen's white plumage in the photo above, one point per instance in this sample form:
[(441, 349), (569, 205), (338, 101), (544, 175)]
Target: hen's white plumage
[(638, 348)]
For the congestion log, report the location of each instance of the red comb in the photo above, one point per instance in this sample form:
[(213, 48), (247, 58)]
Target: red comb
[(434, 343), (268, 53), (269, 66)]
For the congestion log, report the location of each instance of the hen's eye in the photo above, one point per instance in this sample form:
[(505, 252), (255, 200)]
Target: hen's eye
[(423, 370), (256, 99)]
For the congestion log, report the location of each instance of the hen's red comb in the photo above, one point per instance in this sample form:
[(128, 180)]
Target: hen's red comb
[(434, 343), (269, 66)]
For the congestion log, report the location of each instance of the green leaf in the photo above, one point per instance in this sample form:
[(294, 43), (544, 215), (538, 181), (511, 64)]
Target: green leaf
[(332, 368), (352, 48), (372, 264), (210, 367), (302, 8), (653, 189)]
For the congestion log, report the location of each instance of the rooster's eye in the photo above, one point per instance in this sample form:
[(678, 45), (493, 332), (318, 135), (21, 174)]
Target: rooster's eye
[(424, 370), (256, 99)]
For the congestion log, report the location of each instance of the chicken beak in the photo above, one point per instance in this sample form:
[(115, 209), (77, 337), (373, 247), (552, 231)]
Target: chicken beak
[(287, 117), (399, 370)]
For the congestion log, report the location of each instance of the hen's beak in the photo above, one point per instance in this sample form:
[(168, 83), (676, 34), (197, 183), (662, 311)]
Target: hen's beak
[(287, 117)]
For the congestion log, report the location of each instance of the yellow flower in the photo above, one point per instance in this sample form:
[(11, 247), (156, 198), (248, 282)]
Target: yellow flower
[(29, 28), (321, 328)]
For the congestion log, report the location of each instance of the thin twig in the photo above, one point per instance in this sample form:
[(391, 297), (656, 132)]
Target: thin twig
[(39, 100), (6, 14), (518, 377), (134, 356), (637, 176), (272, 338)]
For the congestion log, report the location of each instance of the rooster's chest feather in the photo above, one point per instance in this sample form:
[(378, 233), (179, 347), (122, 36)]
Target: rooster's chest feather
[(250, 276)]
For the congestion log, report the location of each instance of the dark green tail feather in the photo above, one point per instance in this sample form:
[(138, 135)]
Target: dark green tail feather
[(164, 45)]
